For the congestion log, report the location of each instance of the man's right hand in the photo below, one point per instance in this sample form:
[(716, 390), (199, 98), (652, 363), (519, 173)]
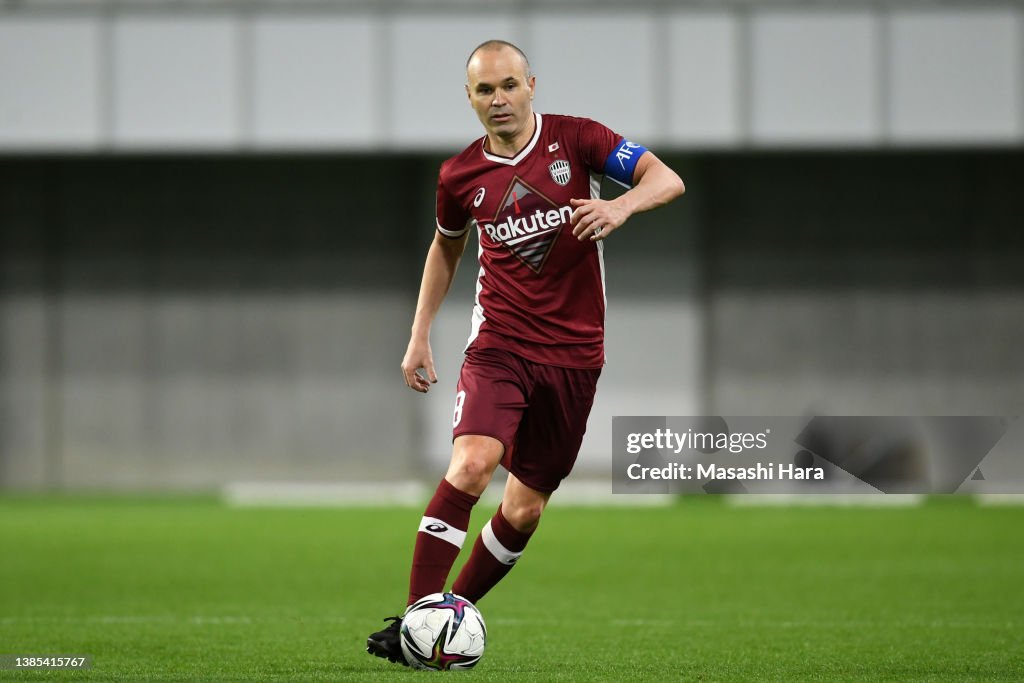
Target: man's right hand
[(418, 356)]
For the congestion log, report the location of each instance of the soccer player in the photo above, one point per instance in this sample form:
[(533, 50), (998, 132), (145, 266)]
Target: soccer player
[(530, 187)]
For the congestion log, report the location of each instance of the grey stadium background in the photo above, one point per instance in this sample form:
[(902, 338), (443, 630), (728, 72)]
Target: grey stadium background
[(213, 217)]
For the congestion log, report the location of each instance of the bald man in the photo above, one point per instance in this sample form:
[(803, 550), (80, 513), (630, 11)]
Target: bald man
[(530, 187)]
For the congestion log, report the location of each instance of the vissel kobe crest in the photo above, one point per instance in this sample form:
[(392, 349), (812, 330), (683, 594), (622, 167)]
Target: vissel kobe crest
[(560, 171), (527, 223)]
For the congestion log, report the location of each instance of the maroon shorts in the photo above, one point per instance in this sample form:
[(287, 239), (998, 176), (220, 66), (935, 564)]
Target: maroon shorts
[(538, 412)]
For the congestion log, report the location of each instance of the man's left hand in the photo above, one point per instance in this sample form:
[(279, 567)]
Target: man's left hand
[(595, 219)]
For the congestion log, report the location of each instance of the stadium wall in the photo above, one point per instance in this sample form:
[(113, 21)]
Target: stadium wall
[(350, 76), (188, 321)]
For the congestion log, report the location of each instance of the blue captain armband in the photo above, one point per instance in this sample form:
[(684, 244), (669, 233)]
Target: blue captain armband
[(621, 163)]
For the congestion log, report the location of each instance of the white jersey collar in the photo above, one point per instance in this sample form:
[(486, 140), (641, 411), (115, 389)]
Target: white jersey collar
[(522, 153)]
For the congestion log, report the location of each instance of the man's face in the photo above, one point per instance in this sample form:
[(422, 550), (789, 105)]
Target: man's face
[(500, 91)]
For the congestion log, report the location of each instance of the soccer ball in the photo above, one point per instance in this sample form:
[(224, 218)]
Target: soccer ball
[(443, 631)]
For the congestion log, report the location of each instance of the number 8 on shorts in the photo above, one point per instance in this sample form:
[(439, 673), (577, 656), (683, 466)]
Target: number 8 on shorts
[(460, 398)]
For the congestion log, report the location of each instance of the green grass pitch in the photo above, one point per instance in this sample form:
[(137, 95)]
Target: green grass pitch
[(171, 589)]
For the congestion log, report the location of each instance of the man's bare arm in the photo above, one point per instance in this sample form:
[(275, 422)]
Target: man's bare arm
[(438, 272), (654, 185)]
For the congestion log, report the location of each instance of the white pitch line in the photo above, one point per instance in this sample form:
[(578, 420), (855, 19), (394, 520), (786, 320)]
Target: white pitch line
[(219, 620), (311, 494), (572, 493), (199, 620), (534, 622), (999, 499), (880, 500)]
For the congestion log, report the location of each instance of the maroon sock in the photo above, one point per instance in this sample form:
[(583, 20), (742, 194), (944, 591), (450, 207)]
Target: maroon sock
[(495, 552), (441, 535)]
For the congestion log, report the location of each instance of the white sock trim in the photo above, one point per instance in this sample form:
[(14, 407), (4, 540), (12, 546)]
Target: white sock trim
[(500, 552), (443, 530)]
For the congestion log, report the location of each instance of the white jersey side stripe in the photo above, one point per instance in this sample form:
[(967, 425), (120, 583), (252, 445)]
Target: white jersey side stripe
[(478, 308), (443, 530), (595, 193), (494, 546)]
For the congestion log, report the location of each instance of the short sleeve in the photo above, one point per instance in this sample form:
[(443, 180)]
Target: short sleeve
[(596, 142), (608, 153), (451, 217)]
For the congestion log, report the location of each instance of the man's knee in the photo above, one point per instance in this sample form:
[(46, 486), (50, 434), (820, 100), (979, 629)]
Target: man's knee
[(474, 460), (523, 515), (474, 468)]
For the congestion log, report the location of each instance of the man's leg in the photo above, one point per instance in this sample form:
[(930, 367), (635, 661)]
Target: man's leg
[(490, 400), (443, 527), (442, 530), (502, 540), (547, 443)]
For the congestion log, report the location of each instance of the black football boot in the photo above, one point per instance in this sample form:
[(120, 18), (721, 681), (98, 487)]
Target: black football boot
[(386, 642)]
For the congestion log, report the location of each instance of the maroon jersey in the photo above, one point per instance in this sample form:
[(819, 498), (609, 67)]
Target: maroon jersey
[(540, 291)]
